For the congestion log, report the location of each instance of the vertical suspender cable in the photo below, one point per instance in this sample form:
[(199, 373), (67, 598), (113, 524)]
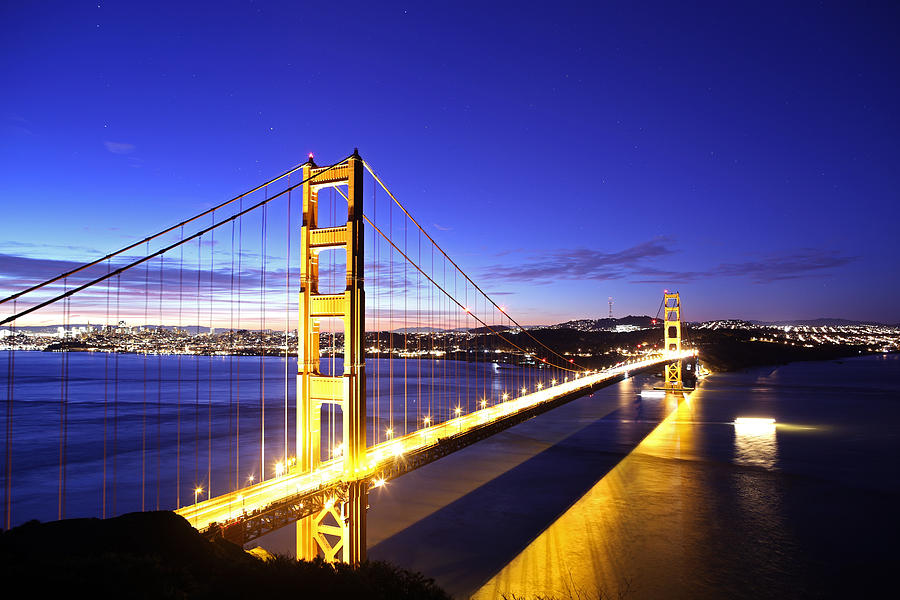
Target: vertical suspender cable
[(287, 318), (465, 333), (62, 411), (419, 337), (144, 397), (376, 295), (67, 307), (209, 362), (197, 355), (237, 422), (115, 446), (178, 394), (391, 324), (262, 328), (106, 396), (10, 387), (159, 384), (404, 354), (431, 325), (445, 328), (231, 483)]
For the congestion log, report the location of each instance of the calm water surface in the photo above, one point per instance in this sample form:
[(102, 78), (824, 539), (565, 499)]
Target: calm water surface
[(168, 424), (704, 509), (612, 494)]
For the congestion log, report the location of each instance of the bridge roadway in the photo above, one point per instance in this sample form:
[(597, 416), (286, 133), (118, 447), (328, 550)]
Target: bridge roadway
[(270, 504)]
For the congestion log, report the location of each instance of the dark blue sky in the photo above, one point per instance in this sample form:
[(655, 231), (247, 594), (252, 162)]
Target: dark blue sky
[(744, 155)]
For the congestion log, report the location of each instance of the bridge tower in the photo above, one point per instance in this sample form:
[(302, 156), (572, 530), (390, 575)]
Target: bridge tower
[(672, 334), (338, 531)]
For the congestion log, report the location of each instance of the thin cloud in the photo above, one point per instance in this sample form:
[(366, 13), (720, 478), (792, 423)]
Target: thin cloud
[(441, 227), (16, 246), (795, 264), (119, 147), (19, 124), (635, 265), (22, 269), (580, 263)]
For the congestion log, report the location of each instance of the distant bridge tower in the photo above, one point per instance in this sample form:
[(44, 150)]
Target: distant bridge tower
[(610, 307), (672, 333), (338, 531)]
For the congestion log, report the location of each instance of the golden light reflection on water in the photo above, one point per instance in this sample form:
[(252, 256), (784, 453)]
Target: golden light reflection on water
[(755, 443), (600, 545)]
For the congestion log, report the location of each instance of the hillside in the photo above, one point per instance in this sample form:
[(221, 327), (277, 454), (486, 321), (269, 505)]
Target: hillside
[(606, 324), (159, 555)]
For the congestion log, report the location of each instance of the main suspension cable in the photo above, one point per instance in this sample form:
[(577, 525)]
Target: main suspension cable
[(450, 296), (159, 252), (463, 273), (152, 237)]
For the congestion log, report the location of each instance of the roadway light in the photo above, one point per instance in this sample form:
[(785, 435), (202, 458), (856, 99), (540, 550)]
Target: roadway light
[(279, 469), (483, 403), (427, 420), (505, 396), (552, 382), (524, 390), (457, 410), (197, 492), (389, 432), (250, 478), (540, 385)]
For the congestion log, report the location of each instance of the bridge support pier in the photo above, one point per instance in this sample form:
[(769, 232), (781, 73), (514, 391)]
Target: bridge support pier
[(338, 531)]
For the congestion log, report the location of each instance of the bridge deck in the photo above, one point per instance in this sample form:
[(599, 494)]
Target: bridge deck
[(307, 492)]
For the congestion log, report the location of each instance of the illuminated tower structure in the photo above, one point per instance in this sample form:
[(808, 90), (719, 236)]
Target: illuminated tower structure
[(338, 530), (672, 333)]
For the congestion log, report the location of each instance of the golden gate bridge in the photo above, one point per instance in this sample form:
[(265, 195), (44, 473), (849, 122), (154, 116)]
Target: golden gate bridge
[(384, 355)]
